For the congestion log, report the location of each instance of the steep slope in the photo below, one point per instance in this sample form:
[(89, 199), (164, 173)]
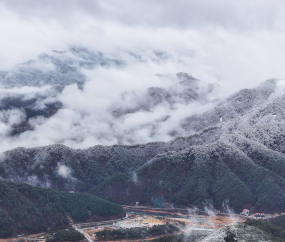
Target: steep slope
[(239, 159), (216, 172), (238, 105), (42, 166), (30, 209)]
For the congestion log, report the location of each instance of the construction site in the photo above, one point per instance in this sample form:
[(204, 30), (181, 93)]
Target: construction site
[(147, 218)]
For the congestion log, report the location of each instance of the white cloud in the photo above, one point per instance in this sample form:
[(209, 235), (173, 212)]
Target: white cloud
[(234, 43), (240, 42), (63, 171)]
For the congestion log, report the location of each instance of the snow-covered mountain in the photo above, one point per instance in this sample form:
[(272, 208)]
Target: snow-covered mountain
[(187, 90), (205, 149), (58, 69), (235, 152), (175, 105), (69, 87)]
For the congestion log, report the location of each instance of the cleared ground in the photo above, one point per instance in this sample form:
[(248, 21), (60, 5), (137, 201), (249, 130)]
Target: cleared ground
[(185, 222)]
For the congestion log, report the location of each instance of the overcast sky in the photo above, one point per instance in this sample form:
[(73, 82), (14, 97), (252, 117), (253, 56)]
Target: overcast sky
[(237, 44), (240, 43)]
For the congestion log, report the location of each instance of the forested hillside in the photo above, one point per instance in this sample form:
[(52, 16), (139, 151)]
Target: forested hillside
[(235, 156), (216, 173), (30, 209)]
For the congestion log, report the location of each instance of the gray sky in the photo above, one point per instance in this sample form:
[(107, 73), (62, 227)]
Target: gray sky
[(241, 14), (237, 44)]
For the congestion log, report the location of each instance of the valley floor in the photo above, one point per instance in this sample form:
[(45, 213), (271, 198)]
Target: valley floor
[(143, 217), (146, 218)]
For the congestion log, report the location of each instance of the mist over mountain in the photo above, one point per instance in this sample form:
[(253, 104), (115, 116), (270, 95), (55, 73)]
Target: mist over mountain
[(80, 98), (238, 142), (57, 69), (162, 103)]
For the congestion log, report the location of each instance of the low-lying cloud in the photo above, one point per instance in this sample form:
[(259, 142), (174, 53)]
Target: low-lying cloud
[(63, 171), (236, 44), (115, 106)]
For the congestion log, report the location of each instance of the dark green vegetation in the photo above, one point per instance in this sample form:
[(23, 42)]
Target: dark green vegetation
[(134, 233), (78, 204), (278, 221), (195, 236), (66, 235), (6, 223), (240, 160), (171, 238), (277, 233), (30, 209), (233, 168), (216, 172)]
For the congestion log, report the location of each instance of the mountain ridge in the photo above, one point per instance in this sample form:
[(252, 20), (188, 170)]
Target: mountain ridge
[(244, 147)]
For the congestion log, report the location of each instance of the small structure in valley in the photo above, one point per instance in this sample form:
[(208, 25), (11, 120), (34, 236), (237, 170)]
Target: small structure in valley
[(245, 212)]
